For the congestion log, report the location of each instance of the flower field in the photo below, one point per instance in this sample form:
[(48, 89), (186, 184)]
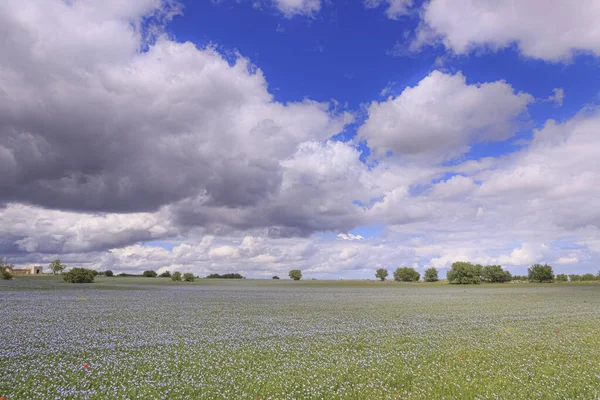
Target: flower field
[(126, 338)]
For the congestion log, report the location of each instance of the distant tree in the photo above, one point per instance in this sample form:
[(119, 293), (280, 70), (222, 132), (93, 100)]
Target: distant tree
[(166, 274), (5, 268), (431, 275), (296, 274), (381, 274), (406, 274), (561, 278), (176, 277), (464, 273), (149, 274), (540, 273), (495, 273), (225, 276), (275, 277), (189, 277), (108, 272), (588, 277), (57, 267), (79, 275), (574, 278)]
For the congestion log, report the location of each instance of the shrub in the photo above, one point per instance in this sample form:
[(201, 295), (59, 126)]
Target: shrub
[(166, 274), (275, 277), (108, 272), (495, 273), (4, 269), (588, 277), (431, 275), (540, 273), (519, 278), (574, 278), (176, 277), (149, 274), (295, 274), (79, 275), (406, 274), (189, 277), (225, 276), (381, 274), (464, 273), (561, 278), (5, 274)]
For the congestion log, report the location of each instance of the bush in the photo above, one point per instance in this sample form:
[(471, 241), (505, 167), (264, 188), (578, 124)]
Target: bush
[(149, 274), (189, 277), (166, 274), (588, 277), (381, 274), (431, 275), (464, 273), (225, 276), (295, 274), (5, 274), (519, 278), (275, 277), (574, 278), (176, 277), (108, 272), (540, 273), (406, 274), (495, 273), (79, 275), (561, 278), (4, 269)]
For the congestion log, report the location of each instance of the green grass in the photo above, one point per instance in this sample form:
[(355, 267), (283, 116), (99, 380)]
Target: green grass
[(151, 338)]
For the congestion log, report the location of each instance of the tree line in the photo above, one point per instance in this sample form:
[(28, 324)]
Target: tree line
[(467, 273)]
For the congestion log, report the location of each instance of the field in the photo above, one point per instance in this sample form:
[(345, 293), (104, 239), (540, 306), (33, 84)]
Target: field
[(132, 338)]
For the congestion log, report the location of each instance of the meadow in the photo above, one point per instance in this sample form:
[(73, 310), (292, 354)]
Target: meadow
[(150, 338)]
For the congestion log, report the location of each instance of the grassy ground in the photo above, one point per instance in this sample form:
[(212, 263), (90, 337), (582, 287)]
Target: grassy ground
[(150, 338)]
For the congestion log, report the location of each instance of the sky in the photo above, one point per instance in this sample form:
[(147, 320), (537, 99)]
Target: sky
[(335, 137)]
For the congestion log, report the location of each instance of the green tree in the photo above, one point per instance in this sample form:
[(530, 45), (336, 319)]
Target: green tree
[(431, 275), (295, 274), (495, 273), (5, 268), (57, 267), (166, 274), (176, 277), (561, 278), (149, 274), (79, 275), (381, 274), (588, 277), (189, 277), (108, 272), (574, 277), (275, 277), (540, 273), (464, 273), (406, 274)]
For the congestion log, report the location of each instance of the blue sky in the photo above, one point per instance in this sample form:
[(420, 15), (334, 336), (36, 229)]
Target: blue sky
[(334, 137)]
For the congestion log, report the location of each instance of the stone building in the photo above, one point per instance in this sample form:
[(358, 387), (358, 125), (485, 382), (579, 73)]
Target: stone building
[(33, 270)]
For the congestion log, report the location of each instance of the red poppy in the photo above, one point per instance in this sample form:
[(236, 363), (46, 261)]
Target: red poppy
[(85, 366)]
